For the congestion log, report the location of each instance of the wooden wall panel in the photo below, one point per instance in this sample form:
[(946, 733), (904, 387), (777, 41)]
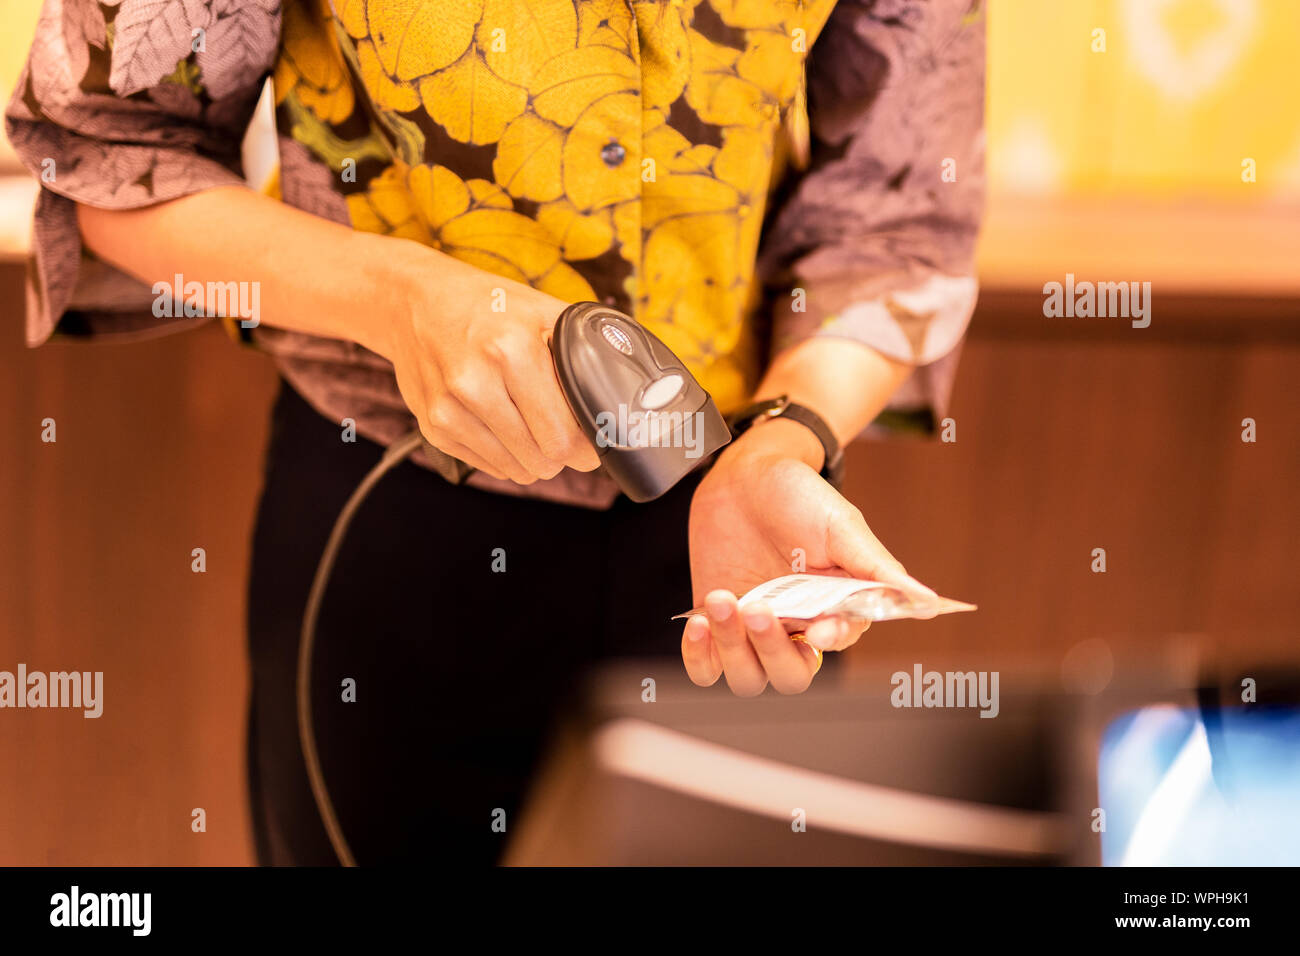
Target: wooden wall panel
[(1067, 444), (158, 453)]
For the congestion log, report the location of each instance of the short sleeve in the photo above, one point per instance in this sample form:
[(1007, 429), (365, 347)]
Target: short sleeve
[(120, 107), (875, 241)]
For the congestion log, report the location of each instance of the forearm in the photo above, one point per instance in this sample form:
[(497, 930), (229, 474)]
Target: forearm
[(482, 391), (313, 275), (845, 382)]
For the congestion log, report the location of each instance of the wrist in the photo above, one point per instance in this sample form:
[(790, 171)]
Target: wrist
[(781, 438), (396, 272)]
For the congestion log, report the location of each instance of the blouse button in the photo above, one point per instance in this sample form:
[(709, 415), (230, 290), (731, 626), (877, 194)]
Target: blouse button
[(612, 154)]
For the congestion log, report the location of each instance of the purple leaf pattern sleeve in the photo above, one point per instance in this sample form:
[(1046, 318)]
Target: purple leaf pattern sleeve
[(123, 105), (879, 233)]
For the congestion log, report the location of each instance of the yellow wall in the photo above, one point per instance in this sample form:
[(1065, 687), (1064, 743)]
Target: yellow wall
[(17, 24), (1183, 92)]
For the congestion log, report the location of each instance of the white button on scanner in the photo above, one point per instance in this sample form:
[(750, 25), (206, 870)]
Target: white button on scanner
[(659, 393)]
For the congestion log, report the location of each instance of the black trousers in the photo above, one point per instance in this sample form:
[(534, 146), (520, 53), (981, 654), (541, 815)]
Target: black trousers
[(460, 671)]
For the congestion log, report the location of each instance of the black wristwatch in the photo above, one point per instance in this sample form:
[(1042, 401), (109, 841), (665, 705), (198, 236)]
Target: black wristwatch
[(746, 418)]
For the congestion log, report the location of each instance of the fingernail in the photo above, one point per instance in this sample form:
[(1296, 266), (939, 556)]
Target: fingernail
[(697, 627), (757, 621), (719, 608)]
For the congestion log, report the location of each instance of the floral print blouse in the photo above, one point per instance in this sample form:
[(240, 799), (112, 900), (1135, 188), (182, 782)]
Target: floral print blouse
[(737, 174)]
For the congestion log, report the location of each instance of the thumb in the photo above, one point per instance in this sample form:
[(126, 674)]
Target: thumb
[(548, 313), (852, 545)]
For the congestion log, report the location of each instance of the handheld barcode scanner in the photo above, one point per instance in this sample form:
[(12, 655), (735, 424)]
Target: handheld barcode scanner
[(651, 422)]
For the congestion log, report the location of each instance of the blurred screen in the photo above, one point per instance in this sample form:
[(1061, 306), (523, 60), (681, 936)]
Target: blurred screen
[(1180, 787)]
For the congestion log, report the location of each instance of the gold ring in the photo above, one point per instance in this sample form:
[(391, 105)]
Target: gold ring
[(816, 650)]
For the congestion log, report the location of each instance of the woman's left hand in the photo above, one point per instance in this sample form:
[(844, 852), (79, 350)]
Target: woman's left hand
[(761, 505)]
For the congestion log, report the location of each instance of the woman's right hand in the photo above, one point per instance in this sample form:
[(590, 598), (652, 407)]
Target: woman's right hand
[(479, 379), (473, 365)]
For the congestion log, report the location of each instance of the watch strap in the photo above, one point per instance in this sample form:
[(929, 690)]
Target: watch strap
[(833, 455)]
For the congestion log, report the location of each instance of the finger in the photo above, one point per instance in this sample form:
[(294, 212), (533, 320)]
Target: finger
[(486, 396), (448, 445), (449, 417), (835, 632), (745, 675), (787, 668), (536, 393), (853, 546), (454, 448), (702, 664), (811, 654)]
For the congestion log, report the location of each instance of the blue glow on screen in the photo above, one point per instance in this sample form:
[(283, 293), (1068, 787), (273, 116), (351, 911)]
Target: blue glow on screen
[(1177, 793)]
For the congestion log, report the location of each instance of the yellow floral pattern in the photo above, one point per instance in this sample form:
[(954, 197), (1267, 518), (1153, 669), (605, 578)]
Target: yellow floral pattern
[(618, 150)]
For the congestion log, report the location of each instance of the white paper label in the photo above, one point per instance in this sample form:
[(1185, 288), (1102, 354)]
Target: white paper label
[(805, 596)]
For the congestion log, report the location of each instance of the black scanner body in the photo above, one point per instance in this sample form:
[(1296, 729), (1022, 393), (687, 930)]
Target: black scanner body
[(648, 418)]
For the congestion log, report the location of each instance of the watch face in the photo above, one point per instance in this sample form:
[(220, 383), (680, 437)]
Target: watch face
[(756, 412), (769, 408)]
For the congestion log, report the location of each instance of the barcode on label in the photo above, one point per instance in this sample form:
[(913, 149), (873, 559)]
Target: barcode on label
[(782, 588)]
